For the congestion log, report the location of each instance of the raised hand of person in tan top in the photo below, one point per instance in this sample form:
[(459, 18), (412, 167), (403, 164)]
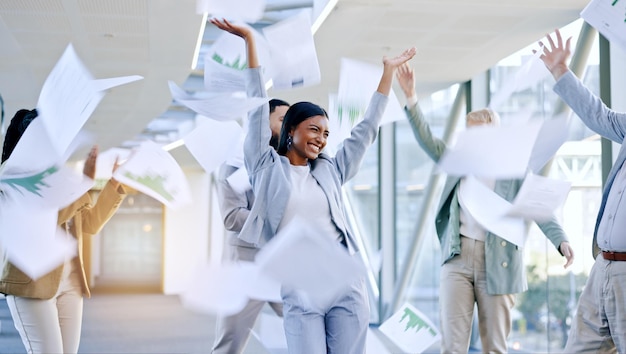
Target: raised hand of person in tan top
[(89, 169), (555, 56)]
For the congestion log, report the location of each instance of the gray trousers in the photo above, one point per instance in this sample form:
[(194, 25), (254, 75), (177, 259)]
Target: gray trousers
[(599, 325), (338, 326)]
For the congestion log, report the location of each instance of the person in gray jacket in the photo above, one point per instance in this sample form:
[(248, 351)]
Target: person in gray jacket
[(233, 332), (478, 267), (599, 325), (299, 180)]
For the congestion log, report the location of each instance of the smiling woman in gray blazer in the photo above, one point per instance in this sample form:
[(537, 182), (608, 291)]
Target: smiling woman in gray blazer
[(300, 180)]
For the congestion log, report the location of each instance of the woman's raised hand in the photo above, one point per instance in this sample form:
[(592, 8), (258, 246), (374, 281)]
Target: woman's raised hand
[(396, 61), (238, 30)]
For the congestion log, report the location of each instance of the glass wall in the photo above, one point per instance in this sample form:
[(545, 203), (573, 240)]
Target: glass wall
[(413, 171)]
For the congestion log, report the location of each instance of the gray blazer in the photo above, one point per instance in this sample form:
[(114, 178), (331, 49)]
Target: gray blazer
[(234, 205), (602, 120), (503, 260), (270, 172)]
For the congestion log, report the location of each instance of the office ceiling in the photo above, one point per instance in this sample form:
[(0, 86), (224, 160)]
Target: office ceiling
[(456, 39)]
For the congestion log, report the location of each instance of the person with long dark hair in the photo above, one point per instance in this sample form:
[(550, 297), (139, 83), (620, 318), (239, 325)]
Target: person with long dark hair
[(300, 180), (47, 312)]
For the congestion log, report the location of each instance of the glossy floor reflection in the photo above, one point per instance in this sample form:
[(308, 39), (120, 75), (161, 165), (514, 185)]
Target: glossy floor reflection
[(137, 323)]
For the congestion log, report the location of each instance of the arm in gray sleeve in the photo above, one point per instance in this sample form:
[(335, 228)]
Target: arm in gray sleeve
[(234, 205)]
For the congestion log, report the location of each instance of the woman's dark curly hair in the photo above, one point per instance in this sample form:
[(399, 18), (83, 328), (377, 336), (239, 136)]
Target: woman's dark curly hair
[(295, 115)]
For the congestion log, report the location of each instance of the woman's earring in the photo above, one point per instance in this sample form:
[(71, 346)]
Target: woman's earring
[(289, 142)]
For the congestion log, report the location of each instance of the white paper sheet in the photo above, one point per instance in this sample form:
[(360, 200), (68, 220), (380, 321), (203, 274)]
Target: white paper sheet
[(259, 285), (339, 127), (211, 142), (551, 137), (33, 153), (240, 180), (216, 289), (357, 83), (105, 84), (235, 10), (31, 239), (225, 289), (55, 187), (222, 107), (489, 210), (410, 330), (106, 161), (539, 197), (221, 78), (299, 258), (494, 152), (531, 72), (294, 56), (609, 18), (229, 51), (154, 172), (67, 99)]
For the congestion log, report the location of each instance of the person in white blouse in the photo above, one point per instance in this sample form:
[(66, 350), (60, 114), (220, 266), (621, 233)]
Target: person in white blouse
[(301, 180)]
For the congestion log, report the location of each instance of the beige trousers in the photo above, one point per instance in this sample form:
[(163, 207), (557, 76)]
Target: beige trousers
[(50, 326), (463, 283)]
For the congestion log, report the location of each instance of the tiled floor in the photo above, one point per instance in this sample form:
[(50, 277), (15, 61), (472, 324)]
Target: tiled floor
[(145, 323)]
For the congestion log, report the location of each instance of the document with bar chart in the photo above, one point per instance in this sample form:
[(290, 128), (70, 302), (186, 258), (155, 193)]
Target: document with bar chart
[(609, 18), (410, 330)]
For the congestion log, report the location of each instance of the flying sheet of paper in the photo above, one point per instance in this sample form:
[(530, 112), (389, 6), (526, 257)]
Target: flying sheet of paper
[(488, 151), (239, 180), (67, 99), (221, 78), (259, 285), (211, 142), (552, 135), (539, 197), (106, 161), (338, 127), (105, 84), (609, 18), (222, 107), (236, 158), (489, 210), (154, 172), (229, 52), (33, 153), (357, 82), (294, 56), (226, 288), (294, 258), (55, 187), (216, 290), (234, 10), (410, 330), (31, 239), (530, 73)]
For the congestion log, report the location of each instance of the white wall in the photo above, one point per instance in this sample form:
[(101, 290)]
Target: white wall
[(186, 235)]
